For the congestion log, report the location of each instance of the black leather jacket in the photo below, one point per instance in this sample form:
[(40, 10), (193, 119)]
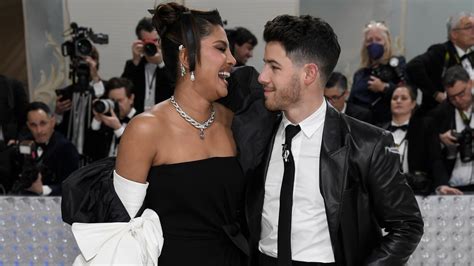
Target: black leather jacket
[(363, 191)]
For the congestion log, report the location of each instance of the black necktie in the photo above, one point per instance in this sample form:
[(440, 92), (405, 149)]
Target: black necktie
[(393, 128), (286, 199)]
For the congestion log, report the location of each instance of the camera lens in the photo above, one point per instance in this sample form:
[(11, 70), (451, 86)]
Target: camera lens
[(103, 106), (83, 47), (150, 49)]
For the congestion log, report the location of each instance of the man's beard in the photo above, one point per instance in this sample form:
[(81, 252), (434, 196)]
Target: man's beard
[(283, 98)]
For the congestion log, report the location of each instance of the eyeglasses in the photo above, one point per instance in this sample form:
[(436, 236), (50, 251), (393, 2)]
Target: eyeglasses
[(459, 94), (335, 97), (471, 27)]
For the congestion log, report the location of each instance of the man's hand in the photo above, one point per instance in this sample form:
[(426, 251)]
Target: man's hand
[(447, 138), (156, 59), (111, 121), (440, 96), (37, 185), (447, 190), (62, 106), (137, 51), (92, 68), (375, 84)]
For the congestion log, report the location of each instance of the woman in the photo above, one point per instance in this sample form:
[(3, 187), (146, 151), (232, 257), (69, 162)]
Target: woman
[(420, 154), (195, 183), (379, 74)]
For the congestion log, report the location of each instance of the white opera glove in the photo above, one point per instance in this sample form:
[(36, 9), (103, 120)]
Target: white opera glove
[(131, 194), (138, 242)]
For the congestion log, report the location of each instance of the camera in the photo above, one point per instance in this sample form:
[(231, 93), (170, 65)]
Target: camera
[(391, 72), (465, 148), (104, 106), (149, 48), (79, 46)]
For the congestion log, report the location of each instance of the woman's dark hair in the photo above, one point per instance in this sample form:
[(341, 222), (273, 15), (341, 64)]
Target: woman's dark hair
[(411, 91), (178, 25)]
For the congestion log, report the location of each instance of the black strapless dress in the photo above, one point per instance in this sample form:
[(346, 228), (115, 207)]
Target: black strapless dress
[(199, 204)]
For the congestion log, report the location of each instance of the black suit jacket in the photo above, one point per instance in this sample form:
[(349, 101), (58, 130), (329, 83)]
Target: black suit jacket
[(424, 152), (440, 120), (164, 83), (426, 71), (363, 191), (358, 112), (61, 159)]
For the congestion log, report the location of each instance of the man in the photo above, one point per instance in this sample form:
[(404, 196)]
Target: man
[(54, 151), (336, 93), (67, 113), (242, 42), (451, 117), (107, 128), (151, 79), (325, 196), (426, 70)]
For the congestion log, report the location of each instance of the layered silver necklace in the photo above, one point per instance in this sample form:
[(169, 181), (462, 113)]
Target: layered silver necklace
[(196, 124)]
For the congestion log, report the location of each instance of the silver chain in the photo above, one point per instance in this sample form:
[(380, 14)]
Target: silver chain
[(196, 124)]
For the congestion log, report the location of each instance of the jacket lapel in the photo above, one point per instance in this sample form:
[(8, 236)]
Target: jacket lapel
[(333, 169)]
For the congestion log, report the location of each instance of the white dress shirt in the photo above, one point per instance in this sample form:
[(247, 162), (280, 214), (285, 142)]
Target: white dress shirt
[(399, 137), (310, 240), (462, 172)]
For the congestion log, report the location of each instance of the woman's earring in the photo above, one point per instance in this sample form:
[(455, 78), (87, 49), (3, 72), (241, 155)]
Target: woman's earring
[(183, 71), (192, 76)]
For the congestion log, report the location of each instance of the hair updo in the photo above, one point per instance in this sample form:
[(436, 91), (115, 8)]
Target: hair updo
[(178, 25)]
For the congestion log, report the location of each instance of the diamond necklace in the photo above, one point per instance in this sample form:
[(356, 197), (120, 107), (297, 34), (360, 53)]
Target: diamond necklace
[(196, 124)]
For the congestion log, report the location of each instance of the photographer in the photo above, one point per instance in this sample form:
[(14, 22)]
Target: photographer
[(380, 73), (152, 80), (73, 129), (452, 120), (53, 158), (13, 103), (111, 116)]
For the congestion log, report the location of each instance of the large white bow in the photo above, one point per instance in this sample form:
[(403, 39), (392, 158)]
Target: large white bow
[(138, 242)]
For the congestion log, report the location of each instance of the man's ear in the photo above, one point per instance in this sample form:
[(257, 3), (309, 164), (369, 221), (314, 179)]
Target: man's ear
[(311, 73)]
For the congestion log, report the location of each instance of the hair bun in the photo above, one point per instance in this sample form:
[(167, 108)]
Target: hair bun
[(166, 15)]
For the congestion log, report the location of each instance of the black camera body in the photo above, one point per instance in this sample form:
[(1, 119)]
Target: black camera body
[(465, 148), (391, 72), (104, 106)]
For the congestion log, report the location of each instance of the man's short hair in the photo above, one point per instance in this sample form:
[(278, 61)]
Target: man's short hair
[(145, 24), (305, 39), (454, 74), (454, 21), (34, 106), (243, 35), (337, 79), (117, 83)]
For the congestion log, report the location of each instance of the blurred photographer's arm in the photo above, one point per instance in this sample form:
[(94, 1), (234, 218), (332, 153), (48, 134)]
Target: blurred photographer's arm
[(447, 138), (96, 81)]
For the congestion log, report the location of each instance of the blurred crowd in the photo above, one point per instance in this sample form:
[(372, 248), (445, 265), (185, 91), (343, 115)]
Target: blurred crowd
[(426, 103)]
